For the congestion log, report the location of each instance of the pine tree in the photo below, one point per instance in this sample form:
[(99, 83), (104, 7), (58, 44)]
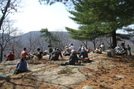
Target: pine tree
[(102, 17), (50, 38)]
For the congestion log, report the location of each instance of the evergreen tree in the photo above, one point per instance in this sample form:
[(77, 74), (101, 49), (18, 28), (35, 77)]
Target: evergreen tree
[(50, 38), (103, 16)]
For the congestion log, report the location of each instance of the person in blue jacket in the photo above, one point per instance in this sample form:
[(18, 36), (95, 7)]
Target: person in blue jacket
[(21, 66)]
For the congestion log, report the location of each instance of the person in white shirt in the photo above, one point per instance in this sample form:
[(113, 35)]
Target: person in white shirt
[(102, 46), (71, 47)]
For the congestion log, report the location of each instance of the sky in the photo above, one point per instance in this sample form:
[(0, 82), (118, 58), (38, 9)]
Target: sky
[(35, 16)]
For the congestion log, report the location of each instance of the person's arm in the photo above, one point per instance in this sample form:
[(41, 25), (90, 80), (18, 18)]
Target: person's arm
[(17, 64), (70, 58), (61, 55), (80, 54), (76, 59)]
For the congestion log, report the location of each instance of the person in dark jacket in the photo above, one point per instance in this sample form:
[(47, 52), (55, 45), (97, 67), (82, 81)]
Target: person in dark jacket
[(50, 50), (39, 54), (128, 48), (73, 58), (21, 66), (56, 54), (83, 53)]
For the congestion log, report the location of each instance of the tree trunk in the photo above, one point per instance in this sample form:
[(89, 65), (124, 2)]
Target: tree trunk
[(114, 38), (1, 53), (4, 13)]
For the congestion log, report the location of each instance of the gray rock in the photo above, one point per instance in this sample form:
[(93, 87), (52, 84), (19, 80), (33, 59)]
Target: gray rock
[(88, 87)]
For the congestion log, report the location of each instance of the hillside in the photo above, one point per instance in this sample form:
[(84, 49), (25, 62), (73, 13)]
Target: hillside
[(103, 73), (67, 40)]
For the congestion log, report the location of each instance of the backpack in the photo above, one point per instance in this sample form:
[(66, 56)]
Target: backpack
[(86, 60)]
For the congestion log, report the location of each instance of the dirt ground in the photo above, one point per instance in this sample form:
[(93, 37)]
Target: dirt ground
[(119, 76)]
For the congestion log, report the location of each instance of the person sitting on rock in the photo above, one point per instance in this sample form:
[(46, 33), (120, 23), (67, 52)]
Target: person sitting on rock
[(73, 58), (98, 50), (10, 56), (67, 51), (25, 54), (39, 54), (56, 54), (79, 49), (83, 53), (21, 66)]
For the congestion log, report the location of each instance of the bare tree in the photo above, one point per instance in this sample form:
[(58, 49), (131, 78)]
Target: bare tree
[(33, 41), (7, 7), (8, 33), (64, 39)]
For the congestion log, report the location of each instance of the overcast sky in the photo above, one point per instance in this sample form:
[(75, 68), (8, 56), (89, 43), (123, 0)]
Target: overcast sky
[(35, 17)]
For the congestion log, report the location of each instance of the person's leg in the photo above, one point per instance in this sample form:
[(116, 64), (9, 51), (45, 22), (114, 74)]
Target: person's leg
[(50, 55), (16, 71)]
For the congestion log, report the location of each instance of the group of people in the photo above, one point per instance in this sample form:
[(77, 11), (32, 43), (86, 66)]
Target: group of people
[(70, 51), (54, 54), (100, 48), (122, 49)]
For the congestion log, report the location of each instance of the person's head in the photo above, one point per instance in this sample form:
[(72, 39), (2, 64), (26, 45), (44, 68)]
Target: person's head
[(49, 46), (22, 59), (38, 49), (10, 52), (24, 49), (5, 56), (83, 48), (57, 49), (127, 45), (70, 44)]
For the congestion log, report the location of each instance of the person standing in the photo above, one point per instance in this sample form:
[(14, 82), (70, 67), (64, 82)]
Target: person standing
[(123, 45), (128, 48), (102, 46)]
